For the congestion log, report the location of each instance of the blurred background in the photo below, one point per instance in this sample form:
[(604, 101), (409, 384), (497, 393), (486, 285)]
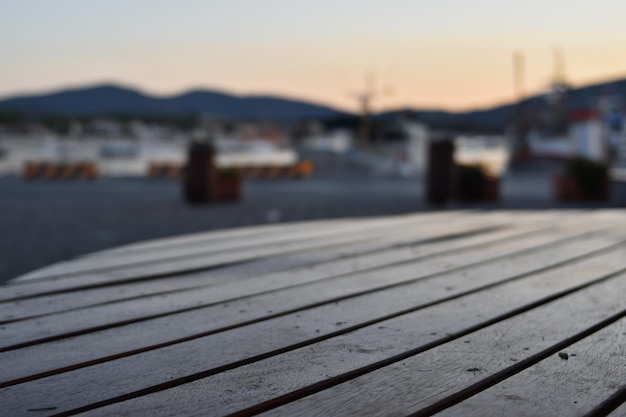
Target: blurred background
[(317, 109)]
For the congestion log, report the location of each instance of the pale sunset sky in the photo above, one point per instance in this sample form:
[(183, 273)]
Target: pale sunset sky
[(452, 54)]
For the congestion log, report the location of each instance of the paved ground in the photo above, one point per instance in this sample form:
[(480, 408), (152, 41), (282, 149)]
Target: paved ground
[(46, 222)]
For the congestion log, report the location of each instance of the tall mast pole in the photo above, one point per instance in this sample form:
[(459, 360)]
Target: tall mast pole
[(518, 75), (520, 145), (365, 99), (559, 67)]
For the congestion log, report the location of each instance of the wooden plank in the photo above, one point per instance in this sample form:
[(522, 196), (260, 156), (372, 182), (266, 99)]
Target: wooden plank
[(244, 233), (203, 237), (156, 270), (311, 265), (403, 386), (69, 324), (227, 244), (220, 242), (214, 245), (595, 368), (615, 405), (433, 376), (244, 341), (328, 310), (185, 241), (234, 239), (284, 260), (30, 288), (236, 233), (120, 341), (237, 343), (213, 235)]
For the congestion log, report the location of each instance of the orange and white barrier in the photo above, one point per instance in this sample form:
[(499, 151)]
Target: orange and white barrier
[(165, 170), (301, 169), (60, 170)]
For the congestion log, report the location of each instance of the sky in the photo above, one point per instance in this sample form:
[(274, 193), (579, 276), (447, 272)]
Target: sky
[(450, 54)]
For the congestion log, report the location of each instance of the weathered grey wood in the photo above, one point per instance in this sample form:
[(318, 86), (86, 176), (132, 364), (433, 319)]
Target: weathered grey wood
[(368, 320), (422, 217), (120, 376), (185, 241), (99, 264), (594, 369), (221, 243), (377, 243), (394, 247), (434, 375), (152, 270), (399, 388), (68, 352), (235, 233), (516, 215), (620, 411), (161, 269), (38, 329)]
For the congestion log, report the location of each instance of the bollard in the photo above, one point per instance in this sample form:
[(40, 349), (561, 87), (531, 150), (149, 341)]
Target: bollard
[(440, 172), (199, 180)]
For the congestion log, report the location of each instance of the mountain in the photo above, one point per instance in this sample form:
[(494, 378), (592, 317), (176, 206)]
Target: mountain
[(498, 117), (112, 99)]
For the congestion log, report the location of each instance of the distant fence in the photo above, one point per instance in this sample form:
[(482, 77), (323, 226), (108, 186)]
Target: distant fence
[(301, 169), (57, 170)]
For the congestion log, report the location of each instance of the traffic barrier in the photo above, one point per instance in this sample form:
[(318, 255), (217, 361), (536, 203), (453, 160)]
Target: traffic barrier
[(165, 170), (60, 170), (302, 169)]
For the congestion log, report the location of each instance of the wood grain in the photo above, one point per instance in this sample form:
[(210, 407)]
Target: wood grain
[(163, 268), (562, 385), (434, 375), (458, 313), (193, 306), (121, 340), (320, 263), (365, 345), (396, 389), (220, 242)]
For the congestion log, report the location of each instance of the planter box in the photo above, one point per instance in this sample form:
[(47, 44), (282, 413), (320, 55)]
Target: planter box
[(566, 188), (492, 189), (228, 188), (489, 192)]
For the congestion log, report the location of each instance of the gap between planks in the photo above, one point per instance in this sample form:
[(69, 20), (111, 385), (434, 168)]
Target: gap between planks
[(100, 375), (40, 327), (328, 383)]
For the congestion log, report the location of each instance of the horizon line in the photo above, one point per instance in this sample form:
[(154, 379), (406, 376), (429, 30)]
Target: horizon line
[(217, 90)]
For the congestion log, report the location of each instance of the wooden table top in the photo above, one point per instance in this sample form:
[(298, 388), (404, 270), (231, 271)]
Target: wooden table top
[(454, 313)]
